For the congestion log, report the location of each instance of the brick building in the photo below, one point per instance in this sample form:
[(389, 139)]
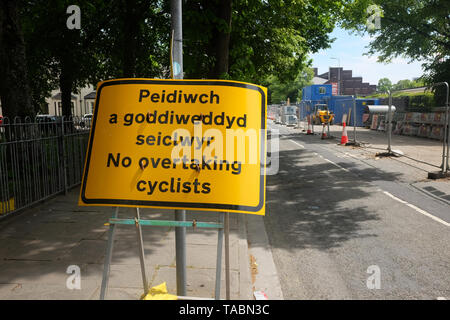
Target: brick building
[(349, 85)]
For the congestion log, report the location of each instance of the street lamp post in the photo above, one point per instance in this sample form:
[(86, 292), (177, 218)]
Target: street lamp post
[(180, 215)]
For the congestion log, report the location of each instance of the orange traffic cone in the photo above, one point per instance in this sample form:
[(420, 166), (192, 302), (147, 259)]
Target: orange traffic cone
[(324, 133), (344, 138), (309, 131)]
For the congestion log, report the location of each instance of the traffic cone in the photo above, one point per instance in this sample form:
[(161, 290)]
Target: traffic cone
[(344, 137), (324, 134), (309, 131)]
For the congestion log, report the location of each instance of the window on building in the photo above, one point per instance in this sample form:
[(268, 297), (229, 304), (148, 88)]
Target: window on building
[(322, 90)]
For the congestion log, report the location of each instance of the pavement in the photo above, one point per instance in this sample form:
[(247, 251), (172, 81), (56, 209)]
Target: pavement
[(38, 246), (421, 152), (341, 217)]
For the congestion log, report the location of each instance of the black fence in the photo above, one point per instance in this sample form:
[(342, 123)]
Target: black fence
[(39, 158)]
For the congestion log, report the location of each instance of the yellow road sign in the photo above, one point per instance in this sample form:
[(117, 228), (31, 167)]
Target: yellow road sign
[(177, 144)]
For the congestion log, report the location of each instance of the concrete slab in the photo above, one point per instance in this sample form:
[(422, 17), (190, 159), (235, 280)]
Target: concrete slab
[(6, 289), (204, 256), (156, 252), (200, 282), (26, 249), (39, 291), (121, 276), (86, 251), (44, 272), (119, 294)]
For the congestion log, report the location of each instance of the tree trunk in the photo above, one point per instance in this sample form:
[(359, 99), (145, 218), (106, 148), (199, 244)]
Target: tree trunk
[(66, 84), (130, 37), (14, 88), (222, 47)]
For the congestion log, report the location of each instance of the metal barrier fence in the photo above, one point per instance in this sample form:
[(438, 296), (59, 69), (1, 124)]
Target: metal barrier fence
[(39, 158)]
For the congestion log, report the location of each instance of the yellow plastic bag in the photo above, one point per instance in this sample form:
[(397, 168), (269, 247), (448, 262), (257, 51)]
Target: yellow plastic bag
[(159, 292)]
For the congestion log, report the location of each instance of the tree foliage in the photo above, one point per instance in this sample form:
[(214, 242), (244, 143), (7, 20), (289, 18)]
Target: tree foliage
[(243, 40), (266, 37), (279, 91), (384, 85), (14, 85), (118, 38), (415, 29), (408, 84)]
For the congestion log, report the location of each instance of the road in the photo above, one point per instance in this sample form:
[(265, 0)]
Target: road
[(335, 219)]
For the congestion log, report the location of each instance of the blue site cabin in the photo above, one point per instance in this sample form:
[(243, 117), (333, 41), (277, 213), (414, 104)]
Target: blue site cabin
[(339, 105), (316, 92)]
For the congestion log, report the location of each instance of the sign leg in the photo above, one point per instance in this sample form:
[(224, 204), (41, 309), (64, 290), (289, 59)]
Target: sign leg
[(219, 258), (180, 253), (227, 255), (108, 256), (141, 251)]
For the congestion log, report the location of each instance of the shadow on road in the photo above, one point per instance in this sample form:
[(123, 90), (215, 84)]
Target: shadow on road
[(314, 204)]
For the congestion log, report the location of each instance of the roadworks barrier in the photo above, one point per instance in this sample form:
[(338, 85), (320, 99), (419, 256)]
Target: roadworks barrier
[(7, 206)]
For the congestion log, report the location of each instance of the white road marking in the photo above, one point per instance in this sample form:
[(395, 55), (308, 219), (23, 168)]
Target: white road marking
[(350, 155), (425, 213), (298, 144), (418, 209), (335, 164), (441, 298)]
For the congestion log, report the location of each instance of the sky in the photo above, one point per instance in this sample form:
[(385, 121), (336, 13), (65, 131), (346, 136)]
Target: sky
[(349, 48)]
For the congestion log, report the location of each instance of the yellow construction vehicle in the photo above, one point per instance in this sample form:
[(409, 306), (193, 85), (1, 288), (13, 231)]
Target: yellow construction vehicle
[(322, 115)]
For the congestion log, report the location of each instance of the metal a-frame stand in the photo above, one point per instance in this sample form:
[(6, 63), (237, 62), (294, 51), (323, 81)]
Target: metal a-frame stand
[(223, 226)]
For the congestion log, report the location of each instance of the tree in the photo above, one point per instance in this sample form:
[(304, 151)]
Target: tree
[(384, 85), (135, 36), (222, 34), (279, 91), (266, 37), (58, 56), (416, 29), (242, 39), (403, 84), (14, 87), (118, 38)]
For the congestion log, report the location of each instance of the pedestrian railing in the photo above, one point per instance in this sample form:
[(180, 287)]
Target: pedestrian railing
[(39, 158)]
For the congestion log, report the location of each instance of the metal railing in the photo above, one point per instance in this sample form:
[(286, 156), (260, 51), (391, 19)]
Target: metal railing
[(39, 158)]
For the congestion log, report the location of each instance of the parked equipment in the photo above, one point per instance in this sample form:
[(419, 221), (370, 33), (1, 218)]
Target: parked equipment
[(322, 114)]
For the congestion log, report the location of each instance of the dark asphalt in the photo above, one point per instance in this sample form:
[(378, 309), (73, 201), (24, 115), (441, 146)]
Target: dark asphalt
[(330, 218)]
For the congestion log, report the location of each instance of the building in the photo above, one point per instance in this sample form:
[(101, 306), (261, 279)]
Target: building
[(340, 105), (343, 82), (316, 92), (82, 102)]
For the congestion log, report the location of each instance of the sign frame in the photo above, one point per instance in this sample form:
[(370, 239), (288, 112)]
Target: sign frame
[(83, 200)]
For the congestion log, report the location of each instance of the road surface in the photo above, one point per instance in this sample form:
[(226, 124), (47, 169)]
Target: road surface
[(341, 227)]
